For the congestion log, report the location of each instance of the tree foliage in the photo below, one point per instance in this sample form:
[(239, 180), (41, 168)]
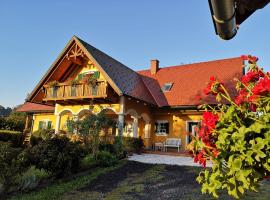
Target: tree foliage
[(92, 126), (236, 137)]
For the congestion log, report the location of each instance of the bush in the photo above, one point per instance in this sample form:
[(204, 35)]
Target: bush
[(138, 145), (15, 121), (133, 145), (57, 156), (119, 148), (106, 147), (87, 162), (40, 135), (106, 159), (31, 179), (11, 165), (15, 137)]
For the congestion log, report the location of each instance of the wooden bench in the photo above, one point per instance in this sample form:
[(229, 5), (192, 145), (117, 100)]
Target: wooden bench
[(172, 142)]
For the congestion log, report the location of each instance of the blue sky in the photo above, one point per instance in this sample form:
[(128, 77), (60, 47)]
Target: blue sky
[(33, 33)]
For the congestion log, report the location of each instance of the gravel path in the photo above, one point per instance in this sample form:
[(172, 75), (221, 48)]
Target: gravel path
[(165, 159)]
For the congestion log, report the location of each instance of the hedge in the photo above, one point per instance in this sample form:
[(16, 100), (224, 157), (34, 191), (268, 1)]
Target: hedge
[(15, 137)]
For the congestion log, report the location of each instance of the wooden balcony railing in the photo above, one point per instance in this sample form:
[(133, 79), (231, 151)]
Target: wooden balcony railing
[(79, 91)]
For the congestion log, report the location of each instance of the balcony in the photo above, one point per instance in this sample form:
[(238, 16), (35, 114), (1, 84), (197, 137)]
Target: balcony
[(65, 91)]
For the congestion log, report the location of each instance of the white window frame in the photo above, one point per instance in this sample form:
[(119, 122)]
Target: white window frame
[(187, 127), (46, 123), (161, 133)]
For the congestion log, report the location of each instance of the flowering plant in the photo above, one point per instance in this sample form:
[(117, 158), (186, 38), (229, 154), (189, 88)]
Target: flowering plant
[(235, 136)]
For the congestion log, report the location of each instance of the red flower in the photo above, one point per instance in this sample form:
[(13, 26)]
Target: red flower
[(263, 87), (212, 78), (215, 153), (253, 107), (208, 124), (252, 76), (210, 119), (244, 57), (201, 158), (251, 59), (213, 87), (241, 98)]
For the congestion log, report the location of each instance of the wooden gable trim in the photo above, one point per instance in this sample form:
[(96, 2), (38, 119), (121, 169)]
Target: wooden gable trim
[(50, 71), (107, 77), (60, 59)]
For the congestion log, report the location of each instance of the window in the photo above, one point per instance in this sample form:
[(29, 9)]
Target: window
[(94, 74), (162, 127), (44, 125), (166, 87), (191, 130)]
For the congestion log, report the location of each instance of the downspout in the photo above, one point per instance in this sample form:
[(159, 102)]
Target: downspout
[(223, 15)]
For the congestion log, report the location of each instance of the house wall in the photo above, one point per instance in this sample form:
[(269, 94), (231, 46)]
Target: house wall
[(91, 67), (177, 120), (43, 117), (76, 109), (177, 126)]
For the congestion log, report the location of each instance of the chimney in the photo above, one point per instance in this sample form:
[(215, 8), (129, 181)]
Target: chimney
[(154, 66)]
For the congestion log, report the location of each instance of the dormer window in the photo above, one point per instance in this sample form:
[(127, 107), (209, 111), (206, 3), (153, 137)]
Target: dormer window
[(166, 87)]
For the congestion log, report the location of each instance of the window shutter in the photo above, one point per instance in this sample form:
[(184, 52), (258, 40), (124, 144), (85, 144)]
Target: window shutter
[(80, 77), (49, 125), (96, 74), (40, 125), (156, 124), (167, 128)]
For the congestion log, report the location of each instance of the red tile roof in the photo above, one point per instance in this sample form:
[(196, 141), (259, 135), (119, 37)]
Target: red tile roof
[(189, 81), (34, 107)]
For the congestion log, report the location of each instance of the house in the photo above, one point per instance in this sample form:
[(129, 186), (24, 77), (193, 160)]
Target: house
[(155, 103)]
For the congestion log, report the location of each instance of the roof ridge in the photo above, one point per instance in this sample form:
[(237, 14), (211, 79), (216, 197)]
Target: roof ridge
[(196, 63), (105, 54)]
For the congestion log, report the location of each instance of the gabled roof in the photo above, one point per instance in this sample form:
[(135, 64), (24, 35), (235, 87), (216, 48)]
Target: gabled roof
[(126, 80), (34, 107), (123, 80), (189, 81)]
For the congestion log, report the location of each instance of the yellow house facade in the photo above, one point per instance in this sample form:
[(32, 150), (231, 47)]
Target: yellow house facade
[(155, 104)]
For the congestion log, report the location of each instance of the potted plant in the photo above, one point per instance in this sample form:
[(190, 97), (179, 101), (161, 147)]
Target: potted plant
[(54, 87), (92, 82), (73, 84)]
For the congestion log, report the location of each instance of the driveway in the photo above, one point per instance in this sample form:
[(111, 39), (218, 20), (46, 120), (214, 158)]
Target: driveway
[(165, 159)]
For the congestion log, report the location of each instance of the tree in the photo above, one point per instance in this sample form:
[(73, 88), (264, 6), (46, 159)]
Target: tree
[(236, 137), (16, 121), (91, 126), (5, 111)]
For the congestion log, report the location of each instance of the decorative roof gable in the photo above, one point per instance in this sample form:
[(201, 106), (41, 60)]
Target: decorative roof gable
[(123, 80)]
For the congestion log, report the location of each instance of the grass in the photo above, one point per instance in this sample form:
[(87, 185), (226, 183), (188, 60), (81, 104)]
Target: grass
[(57, 190), (134, 181)]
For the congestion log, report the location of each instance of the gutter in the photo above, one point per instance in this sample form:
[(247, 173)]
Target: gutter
[(224, 18)]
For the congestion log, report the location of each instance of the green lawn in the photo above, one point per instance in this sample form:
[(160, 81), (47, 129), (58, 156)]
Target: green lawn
[(131, 181)]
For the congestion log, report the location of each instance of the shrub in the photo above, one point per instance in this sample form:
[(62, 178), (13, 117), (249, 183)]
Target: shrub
[(15, 121), (128, 144), (119, 148), (31, 179), (39, 135), (107, 147), (133, 145), (57, 156), (106, 159), (138, 145), (11, 165), (15, 137), (87, 162)]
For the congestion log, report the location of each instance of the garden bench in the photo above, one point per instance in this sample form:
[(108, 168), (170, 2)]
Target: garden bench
[(172, 142)]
